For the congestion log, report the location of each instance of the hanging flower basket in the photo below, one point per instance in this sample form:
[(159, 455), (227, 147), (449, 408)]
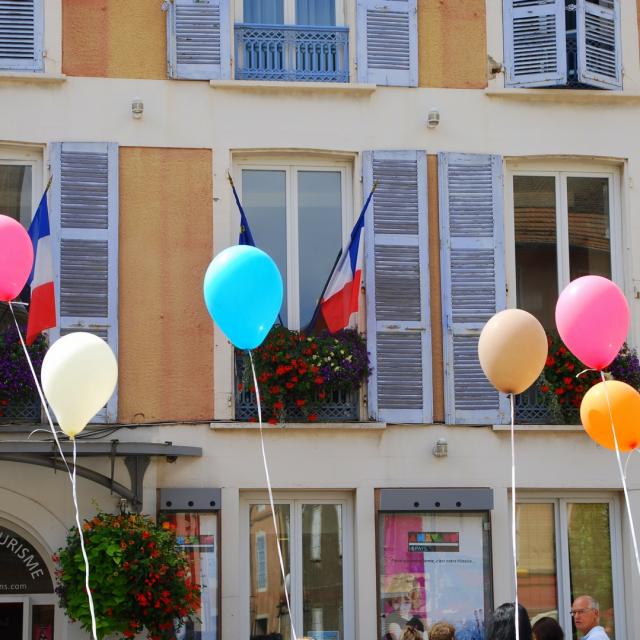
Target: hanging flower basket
[(139, 578)]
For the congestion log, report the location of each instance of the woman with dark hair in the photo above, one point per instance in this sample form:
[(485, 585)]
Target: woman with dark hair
[(502, 625), (547, 629)]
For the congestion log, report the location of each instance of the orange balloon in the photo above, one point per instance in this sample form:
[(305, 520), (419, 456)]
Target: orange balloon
[(625, 409)]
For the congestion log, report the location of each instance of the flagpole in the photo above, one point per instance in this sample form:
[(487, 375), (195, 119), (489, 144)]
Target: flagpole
[(326, 284)]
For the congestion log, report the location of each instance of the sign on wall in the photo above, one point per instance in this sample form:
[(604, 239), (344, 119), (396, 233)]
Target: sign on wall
[(22, 569)]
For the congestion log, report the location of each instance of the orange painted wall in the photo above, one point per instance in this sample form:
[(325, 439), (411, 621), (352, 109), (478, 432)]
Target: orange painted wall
[(452, 41), (435, 307), (114, 39), (165, 242)]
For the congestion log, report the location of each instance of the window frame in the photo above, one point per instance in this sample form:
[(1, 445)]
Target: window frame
[(296, 500), (26, 157), (560, 500), (561, 170), (291, 165), (290, 12), (36, 64)]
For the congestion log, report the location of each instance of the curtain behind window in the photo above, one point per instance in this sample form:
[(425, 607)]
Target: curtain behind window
[(263, 11), (316, 12)]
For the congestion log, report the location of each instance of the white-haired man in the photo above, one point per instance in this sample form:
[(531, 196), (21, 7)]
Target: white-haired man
[(586, 614)]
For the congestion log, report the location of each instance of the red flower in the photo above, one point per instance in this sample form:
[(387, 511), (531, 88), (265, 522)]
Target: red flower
[(272, 421), (550, 361), (274, 389), (559, 391), (312, 417), (567, 380), (289, 385), (544, 388), (145, 534), (301, 402), (319, 380), (278, 406)]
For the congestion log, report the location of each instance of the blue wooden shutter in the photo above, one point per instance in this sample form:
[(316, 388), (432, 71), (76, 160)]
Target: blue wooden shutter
[(535, 53), (21, 35), (598, 36), (84, 228), (397, 279), (387, 42), (473, 280), (198, 39)]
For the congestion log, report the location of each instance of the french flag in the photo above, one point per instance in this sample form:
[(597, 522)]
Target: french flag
[(42, 309), (342, 293)]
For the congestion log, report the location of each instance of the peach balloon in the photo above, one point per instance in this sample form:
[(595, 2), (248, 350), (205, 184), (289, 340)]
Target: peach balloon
[(512, 350), (625, 409)]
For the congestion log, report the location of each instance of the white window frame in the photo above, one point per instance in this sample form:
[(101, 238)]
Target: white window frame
[(291, 166), (296, 500), (560, 500), (561, 170), (28, 157), (290, 12)]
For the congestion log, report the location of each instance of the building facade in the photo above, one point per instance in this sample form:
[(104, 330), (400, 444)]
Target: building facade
[(501, 137)]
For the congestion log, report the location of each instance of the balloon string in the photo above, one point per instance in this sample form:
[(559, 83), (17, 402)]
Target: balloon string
[(39, 388), (273, 509), (84, 552), (622, 475), (626, 464), (513, 516), (72, 476)]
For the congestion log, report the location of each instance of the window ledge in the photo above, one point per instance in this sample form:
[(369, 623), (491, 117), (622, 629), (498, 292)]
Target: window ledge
[(303, 426), (538, 427), (22, 76), (268, 86), (584, 96)]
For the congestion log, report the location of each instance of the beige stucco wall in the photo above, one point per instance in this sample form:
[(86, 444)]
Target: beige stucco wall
[(114, 38), (166, 345), (452, 41)]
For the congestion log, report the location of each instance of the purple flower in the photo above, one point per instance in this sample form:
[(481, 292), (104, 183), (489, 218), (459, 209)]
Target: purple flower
[(16, 380)]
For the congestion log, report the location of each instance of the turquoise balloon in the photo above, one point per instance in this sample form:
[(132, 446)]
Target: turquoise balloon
[(243, 294)]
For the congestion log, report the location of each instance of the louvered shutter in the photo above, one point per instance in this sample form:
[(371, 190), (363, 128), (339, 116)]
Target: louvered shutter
[(397, 277), (84, 227), (198, 35), (473, 280), (598, 37), (21, 35), (535, 52), (387, 42)]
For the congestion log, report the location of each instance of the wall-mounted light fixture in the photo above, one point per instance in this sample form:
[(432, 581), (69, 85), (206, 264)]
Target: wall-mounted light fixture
[(440, 448), (137, 108), (433, 118)]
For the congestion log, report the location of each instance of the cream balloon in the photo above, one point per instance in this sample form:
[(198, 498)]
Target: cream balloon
[(513, 349), (79, 374)]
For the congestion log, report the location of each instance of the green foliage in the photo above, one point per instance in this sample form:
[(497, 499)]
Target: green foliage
[(138, 577)]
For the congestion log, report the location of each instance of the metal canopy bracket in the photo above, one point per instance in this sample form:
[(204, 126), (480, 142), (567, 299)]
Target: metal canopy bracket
[(137, 456)]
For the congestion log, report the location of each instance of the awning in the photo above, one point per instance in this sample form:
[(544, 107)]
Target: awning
[(136, 456)]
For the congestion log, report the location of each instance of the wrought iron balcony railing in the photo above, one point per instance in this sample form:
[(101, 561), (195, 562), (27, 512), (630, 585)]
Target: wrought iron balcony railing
[(532, 408), (337, 406), (24, 411), (291, 52)]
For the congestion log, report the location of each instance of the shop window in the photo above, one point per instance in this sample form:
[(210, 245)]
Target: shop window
[(194, 514), (317, 560), (567, 548), (435, 565)]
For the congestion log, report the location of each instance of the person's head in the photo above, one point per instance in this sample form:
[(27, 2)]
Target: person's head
[(586, 613), (547, 629), (442, 631), (502, 625)]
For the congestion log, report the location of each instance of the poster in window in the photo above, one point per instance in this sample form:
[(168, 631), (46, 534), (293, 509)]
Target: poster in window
[(433, 569), (42, 632)]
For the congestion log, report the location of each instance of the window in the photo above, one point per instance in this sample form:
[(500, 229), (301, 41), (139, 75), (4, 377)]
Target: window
[(197, 535), (569, 43), (299, 214), (434, 566), (21, 35), (565, 225), (568, 547), (301, 12), (315, 540), (292, 40)]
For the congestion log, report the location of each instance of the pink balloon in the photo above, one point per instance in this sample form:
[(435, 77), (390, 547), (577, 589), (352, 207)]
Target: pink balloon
[(592, 316), (16, 258)]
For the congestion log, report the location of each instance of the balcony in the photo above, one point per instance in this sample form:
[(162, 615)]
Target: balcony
[(338, 406), (292, 53), (531, 408)]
